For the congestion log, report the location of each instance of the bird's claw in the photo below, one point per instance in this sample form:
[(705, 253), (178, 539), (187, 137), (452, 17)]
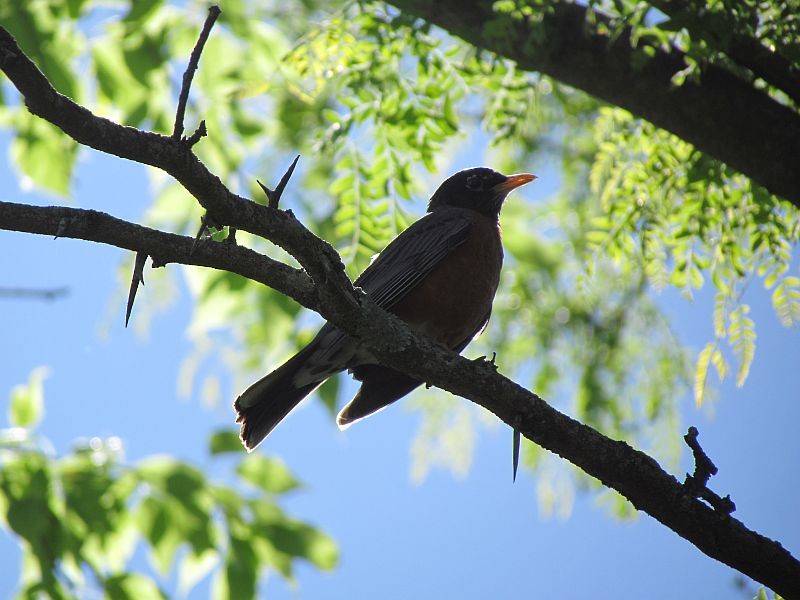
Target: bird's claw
[(491, 361)]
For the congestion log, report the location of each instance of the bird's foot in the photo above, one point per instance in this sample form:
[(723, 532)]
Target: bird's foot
[(490, 361)]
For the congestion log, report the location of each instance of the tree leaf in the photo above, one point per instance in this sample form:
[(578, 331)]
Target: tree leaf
[(701, 372), (193, 568), (268, 474), (224, 441), (131, 586), (27, 401)]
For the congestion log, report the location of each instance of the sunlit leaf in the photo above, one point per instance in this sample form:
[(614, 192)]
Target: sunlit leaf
[(269, 474), (26, 407), (131, 586), (224, 441)]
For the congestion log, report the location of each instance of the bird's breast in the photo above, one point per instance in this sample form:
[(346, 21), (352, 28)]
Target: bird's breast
[(453, 302)]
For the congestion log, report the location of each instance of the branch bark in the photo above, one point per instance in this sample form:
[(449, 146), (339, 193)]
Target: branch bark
[(162, 247), (634, 474), (721, 114)]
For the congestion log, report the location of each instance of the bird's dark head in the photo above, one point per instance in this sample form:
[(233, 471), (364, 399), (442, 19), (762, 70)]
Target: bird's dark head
[(479, 189)]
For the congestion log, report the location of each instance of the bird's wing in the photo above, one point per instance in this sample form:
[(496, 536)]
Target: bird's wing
[(412, 255), (396, 270)]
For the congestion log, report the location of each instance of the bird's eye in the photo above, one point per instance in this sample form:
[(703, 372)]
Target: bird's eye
[(474, 182)]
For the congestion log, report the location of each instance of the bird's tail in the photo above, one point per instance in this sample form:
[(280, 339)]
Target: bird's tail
[(265, 403), (379, 388)]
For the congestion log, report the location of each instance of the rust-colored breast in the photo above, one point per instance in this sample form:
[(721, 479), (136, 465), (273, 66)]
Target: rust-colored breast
[(454, 300)]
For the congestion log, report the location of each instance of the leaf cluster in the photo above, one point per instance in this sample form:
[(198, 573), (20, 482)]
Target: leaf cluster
[(82, 516), (682, 217)]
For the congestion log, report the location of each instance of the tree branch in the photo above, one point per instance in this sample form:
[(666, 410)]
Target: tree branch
[(319, 259), (34, 294), (164, 248), (720, 114), (188, 75), (635, 475)]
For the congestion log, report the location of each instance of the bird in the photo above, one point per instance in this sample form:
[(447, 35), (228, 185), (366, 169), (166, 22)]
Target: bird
[(439, 275)]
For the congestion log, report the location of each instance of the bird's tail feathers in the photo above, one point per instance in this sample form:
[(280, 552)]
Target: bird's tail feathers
[(265, 403), (379, 388)]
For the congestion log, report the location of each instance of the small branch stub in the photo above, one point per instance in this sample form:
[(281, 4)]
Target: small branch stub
[(199, 133), (704, 468)]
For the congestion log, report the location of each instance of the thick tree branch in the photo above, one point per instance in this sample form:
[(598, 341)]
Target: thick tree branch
[(634, 474), (720, 114), (164, 248)]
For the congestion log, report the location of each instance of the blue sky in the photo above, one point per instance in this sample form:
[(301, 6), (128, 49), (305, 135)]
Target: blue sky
[(475, 537)]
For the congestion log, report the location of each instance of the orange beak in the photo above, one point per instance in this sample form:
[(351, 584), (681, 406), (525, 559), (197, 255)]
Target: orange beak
[(514, 181)]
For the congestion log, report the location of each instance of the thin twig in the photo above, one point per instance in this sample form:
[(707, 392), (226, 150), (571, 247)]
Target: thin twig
[(41, 294), (194, 59)]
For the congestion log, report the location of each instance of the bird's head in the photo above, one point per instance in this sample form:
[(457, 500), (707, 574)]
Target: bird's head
[(480, 189)]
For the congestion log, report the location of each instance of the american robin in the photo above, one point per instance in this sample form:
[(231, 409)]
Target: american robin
[(440, 276)]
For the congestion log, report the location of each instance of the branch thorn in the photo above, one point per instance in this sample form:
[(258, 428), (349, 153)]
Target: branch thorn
[(517, 439), (274, 196), (136, 279)]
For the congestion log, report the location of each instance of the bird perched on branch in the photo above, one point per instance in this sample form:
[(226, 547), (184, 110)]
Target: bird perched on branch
[(440, 276)]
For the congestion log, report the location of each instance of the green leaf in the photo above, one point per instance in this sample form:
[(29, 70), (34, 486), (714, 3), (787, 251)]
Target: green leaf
[(193, 568), (31, 508), (115, 81), (742, 336), (720, 364), (27, 401), (145, 58), (44, 154), (238, 580), (450, 113), (141, 10), (301, 540), (269, 474), (328, 393), (720, 305), (786, 301), (75, 8), (131, 586), (224, 441), (163, 525), (701, 372)]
